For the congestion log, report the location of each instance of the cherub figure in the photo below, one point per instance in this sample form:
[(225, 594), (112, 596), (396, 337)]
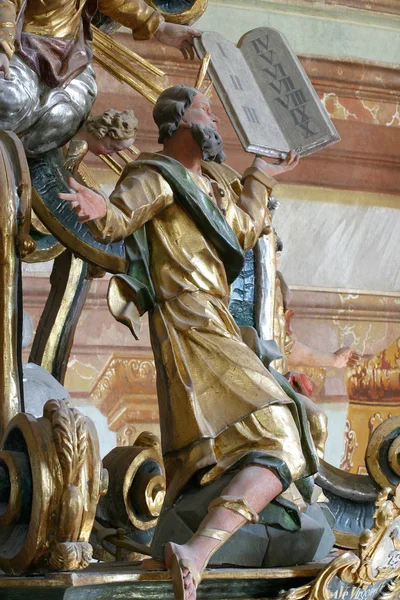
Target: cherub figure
[(106, 133), (109, 132)]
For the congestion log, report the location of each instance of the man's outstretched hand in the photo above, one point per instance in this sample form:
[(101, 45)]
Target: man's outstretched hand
[(178, 36), (273, 169), (86, 203)]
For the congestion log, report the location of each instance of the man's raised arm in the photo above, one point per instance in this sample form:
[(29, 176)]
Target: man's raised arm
[(250, 217), (139, 195)]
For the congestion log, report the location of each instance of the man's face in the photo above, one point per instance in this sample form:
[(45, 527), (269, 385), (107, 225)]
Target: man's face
[(107, 145), (204, 128), (200, 113)]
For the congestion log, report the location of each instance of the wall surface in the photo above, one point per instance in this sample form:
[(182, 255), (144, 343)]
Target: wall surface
[(334, 29)]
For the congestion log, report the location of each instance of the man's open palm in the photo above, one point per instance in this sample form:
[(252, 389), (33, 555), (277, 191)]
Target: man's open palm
[(86, 203), (272, 169)]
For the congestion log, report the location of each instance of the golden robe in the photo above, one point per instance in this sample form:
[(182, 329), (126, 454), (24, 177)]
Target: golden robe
[(210, 384), (62, 18)]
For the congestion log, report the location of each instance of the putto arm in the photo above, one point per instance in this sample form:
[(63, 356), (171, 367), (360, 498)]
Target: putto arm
[(135, 14), (7, 27)]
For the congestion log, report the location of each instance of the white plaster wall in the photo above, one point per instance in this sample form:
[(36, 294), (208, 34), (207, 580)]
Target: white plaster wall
[(338, 242), (320, 29), (107, 438), (337, 414)]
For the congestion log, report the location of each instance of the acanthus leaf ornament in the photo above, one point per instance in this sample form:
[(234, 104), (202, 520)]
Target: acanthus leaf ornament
[(375, 572), (55, 480)]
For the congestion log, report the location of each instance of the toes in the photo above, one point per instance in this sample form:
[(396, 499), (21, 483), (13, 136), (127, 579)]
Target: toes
[(190, 588), (191, 594), (187, 578), (189, 585)]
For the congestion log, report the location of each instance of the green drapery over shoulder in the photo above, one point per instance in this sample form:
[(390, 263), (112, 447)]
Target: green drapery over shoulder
[(136, 283)]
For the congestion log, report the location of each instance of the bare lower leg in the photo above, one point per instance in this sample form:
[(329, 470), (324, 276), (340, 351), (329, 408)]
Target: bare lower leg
[(254, 484)]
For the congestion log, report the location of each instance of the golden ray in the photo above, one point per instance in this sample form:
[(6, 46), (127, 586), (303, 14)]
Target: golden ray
[(203, 70), (112, 163), (208, 90)]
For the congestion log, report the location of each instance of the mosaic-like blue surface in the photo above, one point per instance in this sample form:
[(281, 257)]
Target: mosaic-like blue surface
[(241, 303)]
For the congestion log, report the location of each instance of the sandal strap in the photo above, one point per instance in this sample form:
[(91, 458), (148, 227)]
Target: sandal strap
[(238, 505), (217, 534)]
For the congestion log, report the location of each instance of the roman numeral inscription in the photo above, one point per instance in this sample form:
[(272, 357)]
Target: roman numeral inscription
[(236, 83), (221, 48), (292, 98), (251, 114), (263, 50)]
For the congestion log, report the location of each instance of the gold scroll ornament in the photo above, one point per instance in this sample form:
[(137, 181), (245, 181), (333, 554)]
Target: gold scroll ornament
[(382, 457), (376, 569), (137, 484), (55, 480)]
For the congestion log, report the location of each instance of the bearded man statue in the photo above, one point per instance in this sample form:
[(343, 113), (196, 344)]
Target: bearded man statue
[(227, 427)]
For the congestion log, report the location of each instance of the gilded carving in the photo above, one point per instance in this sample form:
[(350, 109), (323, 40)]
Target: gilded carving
[(56, 479), (15, 211), (62, 464), (122, 63), (376, 566), (350, 444), (393, 590), (382, 457), (137, 484), (71, 556), (70, 437)]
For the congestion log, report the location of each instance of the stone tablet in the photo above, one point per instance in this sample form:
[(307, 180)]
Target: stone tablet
[(267, 94), (242, 98)]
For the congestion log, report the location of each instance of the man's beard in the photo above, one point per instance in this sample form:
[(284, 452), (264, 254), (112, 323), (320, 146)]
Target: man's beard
[(210, 143)]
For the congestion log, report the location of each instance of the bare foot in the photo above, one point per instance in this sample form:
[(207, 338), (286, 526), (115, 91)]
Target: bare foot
[(185, 570)]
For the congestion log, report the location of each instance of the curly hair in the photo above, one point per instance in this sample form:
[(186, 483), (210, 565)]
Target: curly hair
[(170, 108), (118, 125)]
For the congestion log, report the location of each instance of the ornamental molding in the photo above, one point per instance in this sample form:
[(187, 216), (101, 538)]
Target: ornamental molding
[(126, 377)]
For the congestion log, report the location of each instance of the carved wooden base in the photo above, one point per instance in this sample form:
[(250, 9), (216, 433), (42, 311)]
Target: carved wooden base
[(128, 581)]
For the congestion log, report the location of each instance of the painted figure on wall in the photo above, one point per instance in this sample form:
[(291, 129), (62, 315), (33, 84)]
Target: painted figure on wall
[(220, 409), (298, 354), (249, 300), (48, 85)]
